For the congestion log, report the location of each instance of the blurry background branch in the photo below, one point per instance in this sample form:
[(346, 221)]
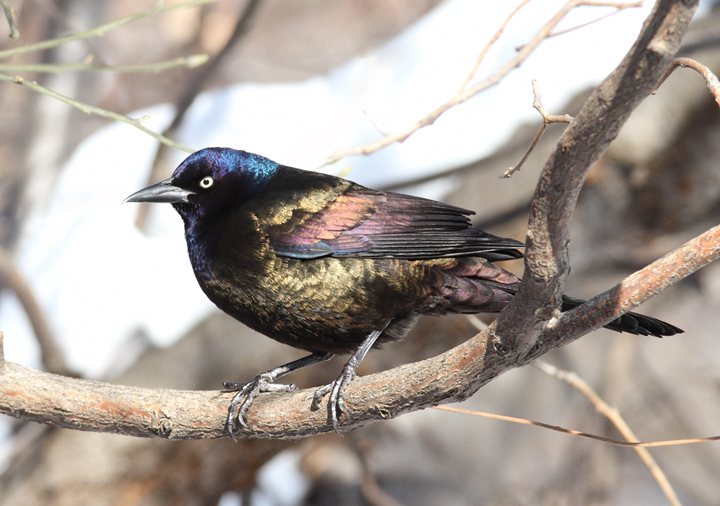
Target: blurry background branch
[(91, 109), (189, 62), (466, 93), (99, 31), (617, 420), (52, 356), (10, 16)]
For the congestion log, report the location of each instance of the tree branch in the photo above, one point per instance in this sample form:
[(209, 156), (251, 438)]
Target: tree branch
[(467, 93), (523, 332), (582, 144), (91, 109), (99, 31)]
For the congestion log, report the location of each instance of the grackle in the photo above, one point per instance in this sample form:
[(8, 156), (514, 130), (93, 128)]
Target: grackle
[(326, 265)]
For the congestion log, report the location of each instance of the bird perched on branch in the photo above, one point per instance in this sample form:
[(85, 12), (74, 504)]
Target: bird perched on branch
[(326, 265)]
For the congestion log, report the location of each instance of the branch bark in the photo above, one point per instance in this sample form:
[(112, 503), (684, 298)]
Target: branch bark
[(526, 330)]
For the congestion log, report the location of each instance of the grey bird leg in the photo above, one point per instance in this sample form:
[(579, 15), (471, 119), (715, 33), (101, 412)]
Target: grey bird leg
[(336, 402), (263, 382)]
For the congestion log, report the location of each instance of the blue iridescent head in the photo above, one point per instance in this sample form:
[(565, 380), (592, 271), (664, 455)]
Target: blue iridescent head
[(210, 181)]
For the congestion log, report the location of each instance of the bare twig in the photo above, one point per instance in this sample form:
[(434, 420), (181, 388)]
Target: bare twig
[(90, 109), (547, 119), (189, 62), (10, 16), (710, 79), (619, 8), (99, 31), (51, 355), (490, 43), (466, 93), (594, 437), (375, 122), (617, 420)]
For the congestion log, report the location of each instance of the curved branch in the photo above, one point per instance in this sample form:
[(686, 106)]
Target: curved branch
[(581, 145), (451, 377)]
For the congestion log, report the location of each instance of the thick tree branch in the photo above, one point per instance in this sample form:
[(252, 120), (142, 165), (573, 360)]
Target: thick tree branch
[(582, 144), (524, 331), (451, 377)]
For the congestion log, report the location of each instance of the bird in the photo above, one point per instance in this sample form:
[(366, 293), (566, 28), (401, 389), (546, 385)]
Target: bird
[(331, 267)]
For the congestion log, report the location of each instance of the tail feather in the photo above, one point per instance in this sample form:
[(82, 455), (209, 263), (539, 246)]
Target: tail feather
[(632, 323), (474, 285)]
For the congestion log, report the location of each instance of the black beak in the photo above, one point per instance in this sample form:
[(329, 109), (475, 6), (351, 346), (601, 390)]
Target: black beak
[(162, 192)]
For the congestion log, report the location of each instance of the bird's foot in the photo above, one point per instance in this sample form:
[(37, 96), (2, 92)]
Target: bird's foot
[(246, 393), (336, 402)]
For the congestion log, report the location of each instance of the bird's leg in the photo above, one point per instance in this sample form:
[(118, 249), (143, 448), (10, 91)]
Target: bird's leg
[(336, 402), (263, 382)]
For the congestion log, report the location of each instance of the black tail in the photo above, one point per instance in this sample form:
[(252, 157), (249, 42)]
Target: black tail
[(631, 322)]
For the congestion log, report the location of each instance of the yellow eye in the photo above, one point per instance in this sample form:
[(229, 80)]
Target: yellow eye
[(206, 182)]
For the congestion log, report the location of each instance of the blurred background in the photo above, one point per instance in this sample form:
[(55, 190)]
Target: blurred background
[(104, 291)]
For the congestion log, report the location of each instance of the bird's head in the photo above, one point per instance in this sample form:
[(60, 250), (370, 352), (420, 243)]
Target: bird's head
[(209, 181)]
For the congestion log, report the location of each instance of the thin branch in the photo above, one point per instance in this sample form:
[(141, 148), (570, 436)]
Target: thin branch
[(618, 8), (617, 420), (10, 16), (466, 93), (547, 119), (572, 432), (189, 62), (711, 79), (99, 31), (90, 109), (490, 43), (51, 354), (375, 122)]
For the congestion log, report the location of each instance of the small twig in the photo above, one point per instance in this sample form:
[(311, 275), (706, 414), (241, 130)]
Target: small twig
[(466, 93), (102, 29), (375, 122), (617, 420), (187, 61), (618, 7), (711, 79), (614, 442), (10, 15), (90, 109), (490, 44), (547, 119), (51, 354)]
